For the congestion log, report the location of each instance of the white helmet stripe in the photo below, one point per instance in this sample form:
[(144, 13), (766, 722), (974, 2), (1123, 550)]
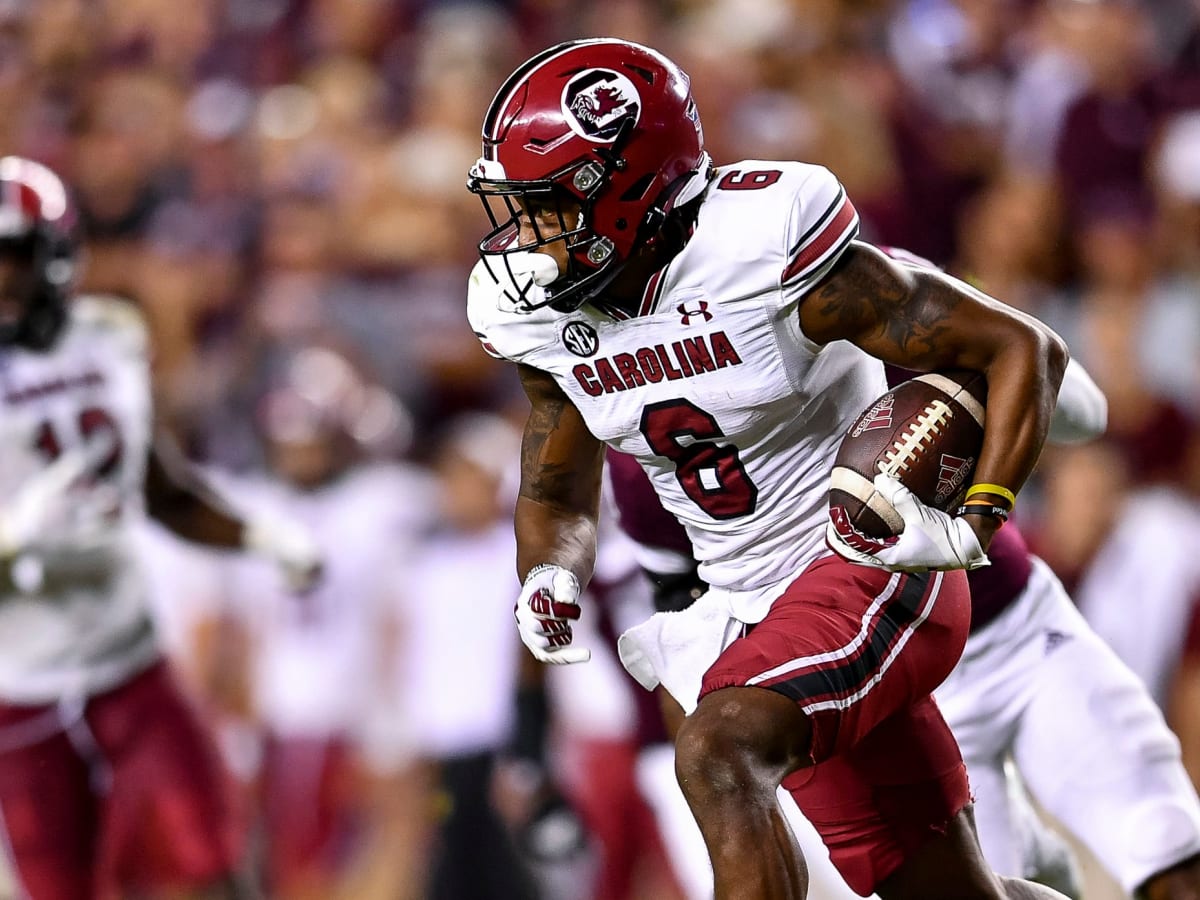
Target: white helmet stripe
[(51, 194), (698, 182)]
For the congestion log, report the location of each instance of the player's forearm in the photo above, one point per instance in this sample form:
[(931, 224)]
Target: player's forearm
[(561, 537), (179, 499), (1023, 359), (194, 519), (1023, 380)]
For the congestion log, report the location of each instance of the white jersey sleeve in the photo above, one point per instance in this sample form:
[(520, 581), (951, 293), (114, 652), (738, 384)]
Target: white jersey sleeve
[(821, 226), (1081, 413), (118, 322)]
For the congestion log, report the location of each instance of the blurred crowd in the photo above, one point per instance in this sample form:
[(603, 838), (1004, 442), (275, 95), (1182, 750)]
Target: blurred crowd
[(279, 185)]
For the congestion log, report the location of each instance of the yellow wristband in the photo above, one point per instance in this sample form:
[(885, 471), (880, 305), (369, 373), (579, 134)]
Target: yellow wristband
[(998, 490)]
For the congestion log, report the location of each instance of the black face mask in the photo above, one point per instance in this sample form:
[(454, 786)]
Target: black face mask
[(505, 203), (48, 262)]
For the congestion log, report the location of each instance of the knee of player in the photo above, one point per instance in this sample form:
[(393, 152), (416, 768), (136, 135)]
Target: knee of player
[(740, 737), (708, 758)]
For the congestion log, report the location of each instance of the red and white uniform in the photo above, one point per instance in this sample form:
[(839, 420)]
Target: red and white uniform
[(106, 776), (716, 354), (78, 623), (1036, 685), (736, 417), (319, 660)]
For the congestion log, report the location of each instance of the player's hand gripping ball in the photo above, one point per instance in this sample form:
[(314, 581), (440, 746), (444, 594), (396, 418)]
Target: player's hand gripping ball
[(925, 434)]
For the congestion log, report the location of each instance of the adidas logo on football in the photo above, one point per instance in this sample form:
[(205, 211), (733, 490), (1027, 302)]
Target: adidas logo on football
[(952, 472), (878, 416)]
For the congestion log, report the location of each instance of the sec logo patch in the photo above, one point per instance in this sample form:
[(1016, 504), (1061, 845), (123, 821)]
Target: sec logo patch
[(580, 338)]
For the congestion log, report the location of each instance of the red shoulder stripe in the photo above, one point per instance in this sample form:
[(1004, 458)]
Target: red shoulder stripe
[(823, 242)]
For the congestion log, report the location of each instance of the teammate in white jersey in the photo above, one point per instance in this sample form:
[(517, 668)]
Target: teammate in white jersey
[(106, 779), (724, 327), (319, 663)]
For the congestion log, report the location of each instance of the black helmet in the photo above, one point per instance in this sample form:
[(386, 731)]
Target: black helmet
[(37, 225)]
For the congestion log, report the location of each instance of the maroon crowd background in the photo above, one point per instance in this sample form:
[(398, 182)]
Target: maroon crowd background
[(262, 176)]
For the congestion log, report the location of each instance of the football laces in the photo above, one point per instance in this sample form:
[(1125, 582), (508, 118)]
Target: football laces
[(911, 444)]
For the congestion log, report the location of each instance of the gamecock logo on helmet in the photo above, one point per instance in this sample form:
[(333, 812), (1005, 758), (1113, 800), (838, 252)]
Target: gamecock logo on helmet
[(597, 102)]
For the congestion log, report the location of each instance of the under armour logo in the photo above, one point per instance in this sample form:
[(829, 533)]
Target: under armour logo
[(1055, 639), (700, 309)]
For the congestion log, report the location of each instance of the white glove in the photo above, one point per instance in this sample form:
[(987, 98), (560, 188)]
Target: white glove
[(548, 603), (931, 538), (288, 545)]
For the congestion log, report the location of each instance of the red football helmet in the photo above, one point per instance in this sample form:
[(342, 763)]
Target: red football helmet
[(607, 123), (36, 229)]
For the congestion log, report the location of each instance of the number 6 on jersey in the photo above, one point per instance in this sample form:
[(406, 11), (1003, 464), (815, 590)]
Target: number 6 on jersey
[(711, 475)]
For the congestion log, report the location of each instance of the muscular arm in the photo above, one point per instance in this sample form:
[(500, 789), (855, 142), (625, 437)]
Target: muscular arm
[(922, 319), (561, 465), (178, 498)]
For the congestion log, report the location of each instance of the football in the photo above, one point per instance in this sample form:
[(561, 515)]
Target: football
[(927, 432)]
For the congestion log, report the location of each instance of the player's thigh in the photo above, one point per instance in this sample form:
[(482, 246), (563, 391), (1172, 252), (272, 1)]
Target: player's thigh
[(1095, 750), (850, 646), (985, 696), (169, 817), (48, 813), (879, 805), (948, 867)]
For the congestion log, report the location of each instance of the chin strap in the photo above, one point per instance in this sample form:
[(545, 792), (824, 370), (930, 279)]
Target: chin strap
[(697, 182), (693, 186)]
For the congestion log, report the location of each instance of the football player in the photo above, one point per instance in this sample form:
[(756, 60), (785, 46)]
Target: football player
[(107, 780), (318, 663), (1034, 684), (723, 325)]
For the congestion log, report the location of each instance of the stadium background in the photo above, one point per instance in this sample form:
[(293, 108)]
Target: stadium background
[(279, 185)]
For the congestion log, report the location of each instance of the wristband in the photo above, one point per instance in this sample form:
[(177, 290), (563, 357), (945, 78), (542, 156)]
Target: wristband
[(998, 490), (540, 567), (983, 509)]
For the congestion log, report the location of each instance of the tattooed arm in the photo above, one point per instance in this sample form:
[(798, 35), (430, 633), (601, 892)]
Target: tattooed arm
[(925, 320), (561, 465)]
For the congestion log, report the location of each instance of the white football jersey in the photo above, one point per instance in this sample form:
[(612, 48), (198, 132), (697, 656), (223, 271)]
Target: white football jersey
[(73, 616), (318, 656), (734, 413)]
